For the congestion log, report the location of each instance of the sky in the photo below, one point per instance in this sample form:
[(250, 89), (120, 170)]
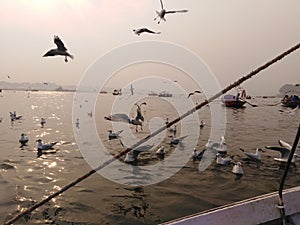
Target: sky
[(233, 37)]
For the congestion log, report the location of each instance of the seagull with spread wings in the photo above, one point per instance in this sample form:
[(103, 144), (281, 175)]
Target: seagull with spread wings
[(163, 12), (139, 31), (121, 117), (60, 50)]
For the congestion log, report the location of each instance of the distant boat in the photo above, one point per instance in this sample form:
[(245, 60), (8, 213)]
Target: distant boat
[(117, 92), (152, 94), (235, 101), (165, 94), (290, 101)]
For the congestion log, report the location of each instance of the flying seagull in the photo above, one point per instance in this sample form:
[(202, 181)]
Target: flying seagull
[(139, 31), (163, 12), (121, 117), (60, 50), (192, 93), (285, 150)]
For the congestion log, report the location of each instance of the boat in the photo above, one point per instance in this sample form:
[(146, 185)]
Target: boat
[(235, 101), (152, 94), (117, 92), (258, 210), (290, 101), (165, 94)]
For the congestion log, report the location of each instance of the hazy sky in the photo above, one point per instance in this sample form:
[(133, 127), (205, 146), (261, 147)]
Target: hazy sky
[(232, 36)]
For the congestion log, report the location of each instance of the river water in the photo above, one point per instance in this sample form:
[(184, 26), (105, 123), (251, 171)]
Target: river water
[(26, 178)]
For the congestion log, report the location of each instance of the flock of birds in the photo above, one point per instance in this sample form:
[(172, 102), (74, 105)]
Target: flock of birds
[(23, 140), (220, 147), (61, 50)]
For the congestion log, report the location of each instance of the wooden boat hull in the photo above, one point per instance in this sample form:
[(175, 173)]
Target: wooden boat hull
[(291, 104), (231, 101), (258, 210)]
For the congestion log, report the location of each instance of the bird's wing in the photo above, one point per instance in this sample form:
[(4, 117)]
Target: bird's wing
[(119, 132), (151, 32), (144, 148), (143, 103), (177, 11), (60, 45), (285, 144), (190, 94), (181, 138), (118, 117), (283, 151), (161, 3), (197, 92)]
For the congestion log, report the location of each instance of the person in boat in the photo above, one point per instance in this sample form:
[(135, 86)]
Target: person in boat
[(237, 98)]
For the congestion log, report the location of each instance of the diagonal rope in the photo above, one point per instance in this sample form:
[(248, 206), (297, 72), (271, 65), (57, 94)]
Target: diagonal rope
[(194, 109)]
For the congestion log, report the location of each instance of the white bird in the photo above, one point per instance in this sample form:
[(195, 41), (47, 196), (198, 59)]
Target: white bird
[(139, 31), (129, 157), (237, 169), (161, 14), (173, 129), (209, 144), (254, 156), (223, 161), (285, 150), (220, 147), (42, 146), (60, 50), (132, 155), (202, 124), (23, 139), (197, 155), (121, 117), (161, 151), (115, 135), (176, 141)]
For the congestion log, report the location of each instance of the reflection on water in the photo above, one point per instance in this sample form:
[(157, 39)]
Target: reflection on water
[(26, 178)]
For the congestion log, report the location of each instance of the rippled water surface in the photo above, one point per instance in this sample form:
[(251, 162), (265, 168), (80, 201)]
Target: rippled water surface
[(26, 178)]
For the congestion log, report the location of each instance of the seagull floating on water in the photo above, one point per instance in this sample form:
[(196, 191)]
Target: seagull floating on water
[(112, 135), (202, 124), (23, 139), (220, 147), (129, 157), (43, 121), (197, 155), (139, 31), (173, 129), (161, 151), (237, 169), (161, 14), (60, 50), (285, 150), (176, 141), (42, 146), (121, 117), (223, 161), (254, 156)]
